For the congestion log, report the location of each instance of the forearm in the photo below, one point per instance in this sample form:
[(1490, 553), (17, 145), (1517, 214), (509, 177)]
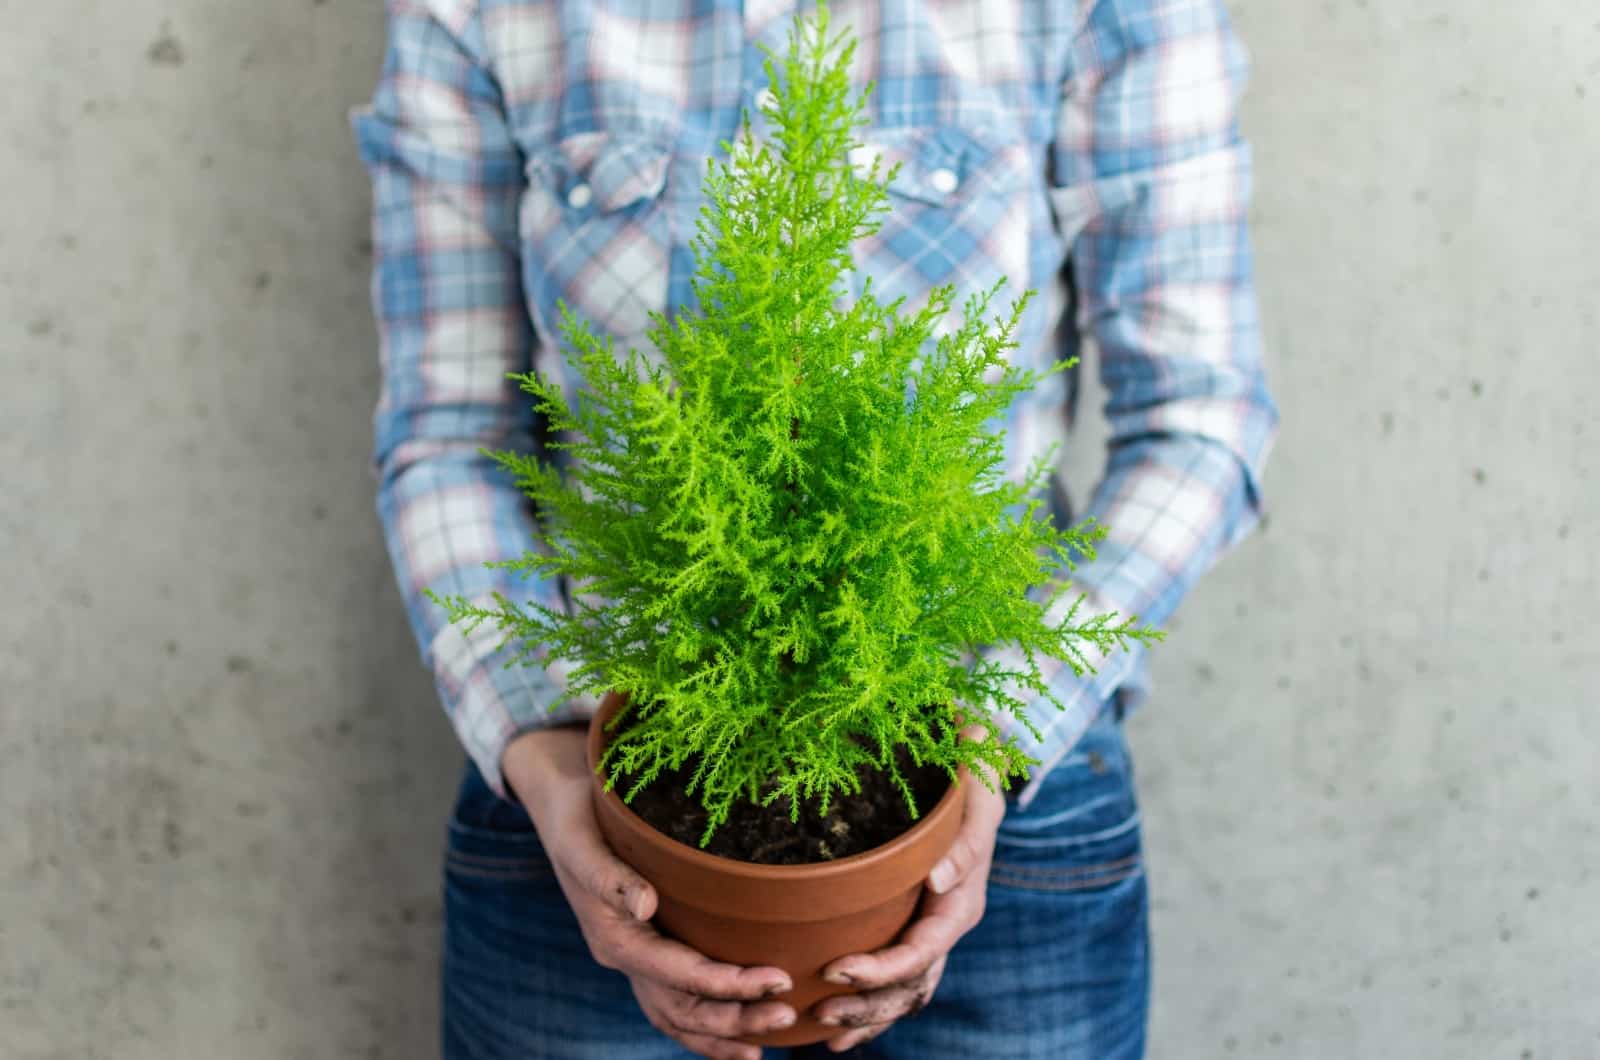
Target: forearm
[(446, 288), (1154, 185), (1172, 506), (444, 517)]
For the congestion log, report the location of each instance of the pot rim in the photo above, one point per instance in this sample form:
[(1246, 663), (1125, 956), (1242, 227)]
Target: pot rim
[(817, 870)]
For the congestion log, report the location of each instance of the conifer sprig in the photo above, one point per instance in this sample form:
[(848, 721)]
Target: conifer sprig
[(786, 539)]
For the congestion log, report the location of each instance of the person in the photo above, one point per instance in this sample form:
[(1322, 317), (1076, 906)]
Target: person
[(526, 151)]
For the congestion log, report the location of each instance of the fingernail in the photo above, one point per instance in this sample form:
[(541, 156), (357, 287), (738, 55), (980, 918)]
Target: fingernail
[(940, 876), (781, 986), (785, 1020), (840, 978), (636, 904), (831, 1021)]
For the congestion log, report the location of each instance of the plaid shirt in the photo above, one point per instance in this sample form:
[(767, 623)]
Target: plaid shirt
[(524, 151)]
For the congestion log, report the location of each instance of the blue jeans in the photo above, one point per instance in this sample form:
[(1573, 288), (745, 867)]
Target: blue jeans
[(1059, 967)]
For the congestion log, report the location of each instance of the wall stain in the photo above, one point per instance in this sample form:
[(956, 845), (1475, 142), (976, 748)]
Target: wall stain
[(165, 50), (172, 838)]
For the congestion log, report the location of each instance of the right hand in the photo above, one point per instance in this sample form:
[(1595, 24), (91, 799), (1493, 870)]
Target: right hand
[(700, 1003)]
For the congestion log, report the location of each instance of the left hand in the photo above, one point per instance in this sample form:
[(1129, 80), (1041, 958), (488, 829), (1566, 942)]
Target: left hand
[(900, 979)]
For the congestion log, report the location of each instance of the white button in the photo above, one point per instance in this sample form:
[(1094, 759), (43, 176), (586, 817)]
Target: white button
[(765, 98), (861, 156), (579, 196), (943, 181)]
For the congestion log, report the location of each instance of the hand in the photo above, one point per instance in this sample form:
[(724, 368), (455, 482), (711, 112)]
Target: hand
[(900, 979), (700, 1003)]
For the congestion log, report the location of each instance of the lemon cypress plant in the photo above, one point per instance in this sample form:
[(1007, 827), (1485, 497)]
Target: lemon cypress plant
[(789, 539)]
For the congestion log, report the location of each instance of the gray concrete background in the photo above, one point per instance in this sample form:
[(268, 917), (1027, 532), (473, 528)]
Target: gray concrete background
[(1369, 765)]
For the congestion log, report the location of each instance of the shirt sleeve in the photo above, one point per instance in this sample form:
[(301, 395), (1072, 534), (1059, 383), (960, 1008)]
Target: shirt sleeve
[(1150, 184), (447, 296)]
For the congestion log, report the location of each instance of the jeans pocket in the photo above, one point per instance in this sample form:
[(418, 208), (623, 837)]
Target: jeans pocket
[(1081, 832), (490, 839)]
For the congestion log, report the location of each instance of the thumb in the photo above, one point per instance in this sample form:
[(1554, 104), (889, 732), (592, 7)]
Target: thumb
[(639, 900), (980, 817), (548, 765), (978, 733), (608, 877)]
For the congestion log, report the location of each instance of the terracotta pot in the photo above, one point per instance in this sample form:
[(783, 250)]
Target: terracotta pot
[(795, 917)]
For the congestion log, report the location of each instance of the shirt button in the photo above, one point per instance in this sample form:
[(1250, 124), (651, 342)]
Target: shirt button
[(766, 98), (943, 181), (579, 196)]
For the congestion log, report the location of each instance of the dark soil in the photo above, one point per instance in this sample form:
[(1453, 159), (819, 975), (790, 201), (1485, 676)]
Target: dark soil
[(855, 823)]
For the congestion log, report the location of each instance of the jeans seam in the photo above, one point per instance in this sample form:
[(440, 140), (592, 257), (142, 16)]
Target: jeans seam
[(477, 832), (505, 872), (1063, 882), (1068, 870), (495, 859), (1048, 842), (514, 865)]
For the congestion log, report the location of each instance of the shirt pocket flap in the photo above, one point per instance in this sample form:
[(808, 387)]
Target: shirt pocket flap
[(1161, 200), (937, 164), (605, 171)]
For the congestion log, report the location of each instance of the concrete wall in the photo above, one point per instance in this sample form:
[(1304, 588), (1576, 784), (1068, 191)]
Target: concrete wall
[(1369, 765)]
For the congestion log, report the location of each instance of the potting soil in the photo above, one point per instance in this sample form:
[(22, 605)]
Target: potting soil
[(854, 824)]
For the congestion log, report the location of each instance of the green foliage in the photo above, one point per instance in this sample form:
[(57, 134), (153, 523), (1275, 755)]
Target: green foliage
[(782, 539)]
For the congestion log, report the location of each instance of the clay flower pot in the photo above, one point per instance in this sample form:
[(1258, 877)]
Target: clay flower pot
[(795, 917)]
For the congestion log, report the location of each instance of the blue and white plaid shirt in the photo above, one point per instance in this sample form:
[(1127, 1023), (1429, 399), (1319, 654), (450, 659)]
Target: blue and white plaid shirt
[(524, 151)]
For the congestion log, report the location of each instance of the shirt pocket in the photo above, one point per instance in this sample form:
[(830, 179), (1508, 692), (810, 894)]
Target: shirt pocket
[(596, 234), (957, 213)]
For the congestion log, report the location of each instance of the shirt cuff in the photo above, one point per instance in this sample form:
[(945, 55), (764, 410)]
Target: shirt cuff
[(490, 703), (1121, 672)]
